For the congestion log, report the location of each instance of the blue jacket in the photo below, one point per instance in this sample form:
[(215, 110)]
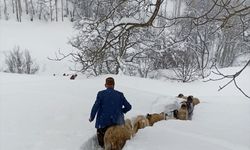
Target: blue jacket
[(110, 106)]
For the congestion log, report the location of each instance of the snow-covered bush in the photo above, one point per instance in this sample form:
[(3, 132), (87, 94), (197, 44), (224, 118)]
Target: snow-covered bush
[(21, 62)]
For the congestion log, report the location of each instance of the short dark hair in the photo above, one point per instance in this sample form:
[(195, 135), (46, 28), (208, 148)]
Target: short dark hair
[(180, 95), (110, 81)]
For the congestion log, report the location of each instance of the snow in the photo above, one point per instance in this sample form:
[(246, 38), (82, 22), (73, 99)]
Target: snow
[(42, 39), (45, 112), (51, 112)]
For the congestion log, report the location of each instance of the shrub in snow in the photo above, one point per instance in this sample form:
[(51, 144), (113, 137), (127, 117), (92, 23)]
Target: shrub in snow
[(20, 62)]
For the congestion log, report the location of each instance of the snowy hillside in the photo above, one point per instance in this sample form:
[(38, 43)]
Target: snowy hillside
[(42, 39), (51, 113)]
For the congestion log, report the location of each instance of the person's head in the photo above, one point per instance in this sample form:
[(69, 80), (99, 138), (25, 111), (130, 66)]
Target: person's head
[(110, 82), (180, 95)]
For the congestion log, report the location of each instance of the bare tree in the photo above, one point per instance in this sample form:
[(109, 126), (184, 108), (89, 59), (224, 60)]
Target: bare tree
[(6, 15), (56, 9), (18, 7), (62, 10), (67, 8), (32, 10), (20, 62), (117, 34), (45, 9), (117, 40), (13, 6), (26, 6), (51, 10)]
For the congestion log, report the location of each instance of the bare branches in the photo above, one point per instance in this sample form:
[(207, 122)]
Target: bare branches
[(60, 56), (128, 26), (127, 33), (18, 61), (232, 77), (219, 11)]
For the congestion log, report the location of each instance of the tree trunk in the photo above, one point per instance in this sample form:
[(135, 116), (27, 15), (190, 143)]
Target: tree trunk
[(0, 12), (13, 6), (51, 11), (62, 8), (56, 7), (17, 15), (67, 8), (5, 11), (32, 11), (26, 7), (40, 12), (19, 10)]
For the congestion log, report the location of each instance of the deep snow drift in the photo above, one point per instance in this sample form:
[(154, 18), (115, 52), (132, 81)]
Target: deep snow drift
[(51, 113)]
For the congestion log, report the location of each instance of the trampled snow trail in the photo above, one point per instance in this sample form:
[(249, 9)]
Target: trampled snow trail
[(161, 104), (91, 144)]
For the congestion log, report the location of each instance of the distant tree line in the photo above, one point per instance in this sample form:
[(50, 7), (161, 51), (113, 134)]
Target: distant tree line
[(48, 10)]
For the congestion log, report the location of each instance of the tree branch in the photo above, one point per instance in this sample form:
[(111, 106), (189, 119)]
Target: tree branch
[(232, 77)]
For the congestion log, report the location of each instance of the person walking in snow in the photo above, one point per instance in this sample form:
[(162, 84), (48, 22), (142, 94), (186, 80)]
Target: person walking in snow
[(110, 107)]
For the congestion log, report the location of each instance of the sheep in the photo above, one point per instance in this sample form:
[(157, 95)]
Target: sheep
[(195, 100), (140, 122), (116, 136), (153, 118)]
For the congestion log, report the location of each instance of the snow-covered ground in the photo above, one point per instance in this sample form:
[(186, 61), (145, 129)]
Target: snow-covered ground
[(42, 39), (45, 112), (51, 113)]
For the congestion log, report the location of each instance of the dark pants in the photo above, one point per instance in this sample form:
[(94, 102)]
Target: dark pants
[(100, 135)]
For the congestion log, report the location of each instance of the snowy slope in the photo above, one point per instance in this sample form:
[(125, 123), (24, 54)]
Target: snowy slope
[(51, 113), (42, 39)]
